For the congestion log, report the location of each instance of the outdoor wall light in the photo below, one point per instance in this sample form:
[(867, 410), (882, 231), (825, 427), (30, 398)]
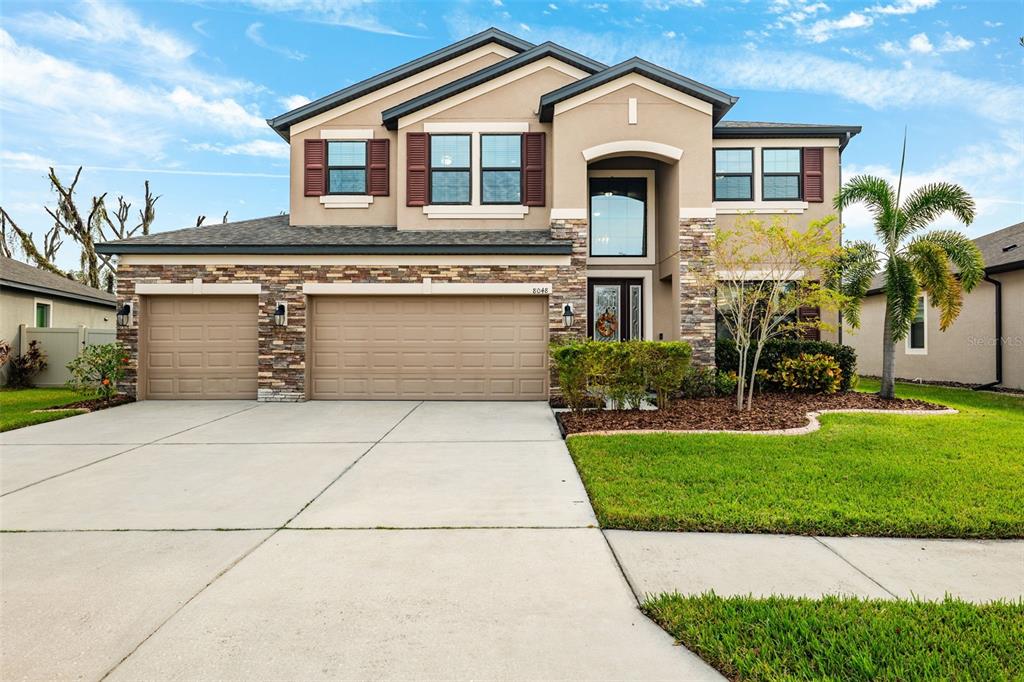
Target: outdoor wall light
[(281, 314), (567, 315), (124, 315)]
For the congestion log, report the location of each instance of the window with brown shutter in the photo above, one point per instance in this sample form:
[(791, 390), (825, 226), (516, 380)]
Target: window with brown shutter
[(417, 149), (810, 314), (314, 154), (533, 169), (814, 166), (377, 152)]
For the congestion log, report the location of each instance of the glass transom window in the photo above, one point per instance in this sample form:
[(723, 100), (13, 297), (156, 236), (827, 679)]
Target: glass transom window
[(450, 169), (734, 173), (780, 169), (500, 169), (346, 167), (618, 216)]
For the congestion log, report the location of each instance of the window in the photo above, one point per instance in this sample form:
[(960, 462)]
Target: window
[(501, 169), (734, 174), (346, 167), (917, 340), (42, 314), (618, 216), (780, 174), (449, 169)]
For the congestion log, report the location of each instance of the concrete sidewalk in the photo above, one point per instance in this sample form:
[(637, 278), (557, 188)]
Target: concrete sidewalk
[(762, 565)]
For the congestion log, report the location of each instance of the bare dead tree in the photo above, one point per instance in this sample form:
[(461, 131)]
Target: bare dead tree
[(26, 244), (200, 220), (224, 220)]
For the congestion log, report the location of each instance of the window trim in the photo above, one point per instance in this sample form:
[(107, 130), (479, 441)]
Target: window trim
[(484, 169), (923, 298), (35, 312), (620, 175), (799, 175), (468, 170), (328, 168), (715, 173)]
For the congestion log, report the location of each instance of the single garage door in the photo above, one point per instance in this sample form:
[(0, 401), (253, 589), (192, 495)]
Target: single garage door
[(429, 347), (200, 347)]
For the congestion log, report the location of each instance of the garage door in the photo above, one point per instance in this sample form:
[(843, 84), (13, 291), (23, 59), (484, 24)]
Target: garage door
[(429, 347), (200, 347)]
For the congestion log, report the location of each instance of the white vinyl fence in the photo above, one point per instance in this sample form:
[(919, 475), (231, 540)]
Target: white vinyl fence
[(62, 345)]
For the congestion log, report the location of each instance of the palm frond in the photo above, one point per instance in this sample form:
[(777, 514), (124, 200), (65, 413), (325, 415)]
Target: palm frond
[(877, 194), (928, 202), (961, 251), (932, 269), (901, 292), (850, 273)]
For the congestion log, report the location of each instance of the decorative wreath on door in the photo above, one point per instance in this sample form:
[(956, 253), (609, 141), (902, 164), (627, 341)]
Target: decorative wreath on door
[(607, 324)]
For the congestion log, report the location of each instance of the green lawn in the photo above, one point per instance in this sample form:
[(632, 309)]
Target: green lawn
[(861, 474), (784, 638), (16, 406)]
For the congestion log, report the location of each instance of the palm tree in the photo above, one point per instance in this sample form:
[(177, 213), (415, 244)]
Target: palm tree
[(912, 260)]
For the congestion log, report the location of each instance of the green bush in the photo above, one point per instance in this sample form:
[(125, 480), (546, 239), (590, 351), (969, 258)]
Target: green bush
[(624, 373), (98, 369), (727, 358), (699, 382), (725, 383), (814, 372), (26, 366)]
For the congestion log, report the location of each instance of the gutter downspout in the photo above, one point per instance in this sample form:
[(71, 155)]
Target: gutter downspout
[(842, 146), (999, 334)]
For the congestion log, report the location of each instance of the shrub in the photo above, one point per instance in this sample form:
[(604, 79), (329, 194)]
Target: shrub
[(26, 366), (776, 350), (699, 382), (814, 372), (99, 369), (666, 366), (619, 372), (725, 383), (571, 364)]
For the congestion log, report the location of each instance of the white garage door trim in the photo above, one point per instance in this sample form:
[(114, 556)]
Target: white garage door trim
[(197, 288), (428, 288)]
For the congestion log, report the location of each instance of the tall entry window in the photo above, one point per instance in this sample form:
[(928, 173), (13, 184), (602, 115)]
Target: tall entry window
[(618, 217), (615, 309), (450, 169)]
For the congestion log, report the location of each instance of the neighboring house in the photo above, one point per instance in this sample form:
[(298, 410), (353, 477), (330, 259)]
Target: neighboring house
[(39, 299), (445, 217), (985, 345)]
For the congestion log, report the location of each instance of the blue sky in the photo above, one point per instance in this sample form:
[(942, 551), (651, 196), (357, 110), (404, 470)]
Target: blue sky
[(177, 92)]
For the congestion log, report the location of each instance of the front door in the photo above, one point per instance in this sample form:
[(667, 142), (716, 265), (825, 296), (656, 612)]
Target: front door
[(615, 309)]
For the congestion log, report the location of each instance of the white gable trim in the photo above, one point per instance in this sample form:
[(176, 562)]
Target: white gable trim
[(666, 151), (633, 79), (387, 91), (491, 85)]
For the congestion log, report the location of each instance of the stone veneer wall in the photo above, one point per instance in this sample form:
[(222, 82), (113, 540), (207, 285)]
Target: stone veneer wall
[(696, 294), (282, 350)]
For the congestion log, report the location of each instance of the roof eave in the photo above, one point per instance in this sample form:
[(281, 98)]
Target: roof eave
[(343, 249), (843, 133), (57, 293)]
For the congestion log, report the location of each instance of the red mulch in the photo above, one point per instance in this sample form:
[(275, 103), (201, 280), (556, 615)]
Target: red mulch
[(93, 404), (770, 411)]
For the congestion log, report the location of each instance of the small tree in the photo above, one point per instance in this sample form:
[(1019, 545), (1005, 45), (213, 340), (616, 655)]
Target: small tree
[(98, 370), (763, 279), (25, 367)]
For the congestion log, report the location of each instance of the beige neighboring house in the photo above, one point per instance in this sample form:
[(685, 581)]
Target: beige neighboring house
[(453, 215), (37, 300), (985, 346)]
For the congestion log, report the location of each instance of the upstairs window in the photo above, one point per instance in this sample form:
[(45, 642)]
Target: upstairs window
[(450, 181), (780, 171), (501, 169), (346, 167), (618, 216), (734, 174)]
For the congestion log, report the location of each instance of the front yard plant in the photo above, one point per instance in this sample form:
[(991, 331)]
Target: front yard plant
[(846, 638), (23, 368), (98, 370)]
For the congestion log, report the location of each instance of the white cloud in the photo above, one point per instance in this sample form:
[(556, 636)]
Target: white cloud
[(799, 15), (552, 6), (823, 29), (200, 27), (294, 101), (598, 6), (524, 27), (992, 24), (952, 43), (665, 5), (254, 32), (669, 34), (903, 7), (266, 148), (358, 14), (497, 3), (920, 43)]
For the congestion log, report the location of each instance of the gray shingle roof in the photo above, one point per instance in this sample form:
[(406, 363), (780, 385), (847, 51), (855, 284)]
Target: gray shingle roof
[(274, 235), (766, 129), (18, 275)]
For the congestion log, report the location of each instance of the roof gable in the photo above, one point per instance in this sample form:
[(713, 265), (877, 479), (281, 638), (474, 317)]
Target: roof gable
[(391, 116), (720, 101), (283, 123)]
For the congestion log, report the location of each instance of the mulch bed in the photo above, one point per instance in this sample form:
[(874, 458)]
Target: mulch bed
[(92, 404), (769, 412)]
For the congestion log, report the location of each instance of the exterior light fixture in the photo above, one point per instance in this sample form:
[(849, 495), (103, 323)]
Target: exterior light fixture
[(124, 315), (281, 314), (567, 315)]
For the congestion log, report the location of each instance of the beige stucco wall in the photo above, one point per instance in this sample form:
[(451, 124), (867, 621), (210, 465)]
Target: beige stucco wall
[(308, 210), (965, 352)]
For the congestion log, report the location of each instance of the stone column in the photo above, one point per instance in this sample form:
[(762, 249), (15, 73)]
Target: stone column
[(282, 350), (569, 285), (696, 294)]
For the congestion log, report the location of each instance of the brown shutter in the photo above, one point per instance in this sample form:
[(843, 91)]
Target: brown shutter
[(417, 169), (814, 165), (533, 169), (377, 157), (314, 158), (808, 314)]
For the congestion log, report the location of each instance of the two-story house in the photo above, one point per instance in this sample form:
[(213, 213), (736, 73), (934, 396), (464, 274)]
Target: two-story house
[(452, 216)]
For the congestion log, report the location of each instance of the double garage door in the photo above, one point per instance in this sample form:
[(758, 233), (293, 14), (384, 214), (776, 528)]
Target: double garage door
[(358, 347)]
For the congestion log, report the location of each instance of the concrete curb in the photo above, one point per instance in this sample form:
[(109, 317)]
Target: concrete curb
[(812, 417)]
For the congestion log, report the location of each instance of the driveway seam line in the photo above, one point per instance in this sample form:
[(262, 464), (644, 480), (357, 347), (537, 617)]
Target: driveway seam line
[(854, 566), (117, 454), (622, 569)]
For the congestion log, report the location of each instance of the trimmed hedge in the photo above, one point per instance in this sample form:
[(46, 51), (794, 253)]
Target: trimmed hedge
[(728, 359)]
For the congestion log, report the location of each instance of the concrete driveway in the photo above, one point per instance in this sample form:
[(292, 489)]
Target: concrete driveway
[(231, 540)]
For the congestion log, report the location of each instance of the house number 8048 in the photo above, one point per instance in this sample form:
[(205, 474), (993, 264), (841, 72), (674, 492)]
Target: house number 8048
[(542, 290)]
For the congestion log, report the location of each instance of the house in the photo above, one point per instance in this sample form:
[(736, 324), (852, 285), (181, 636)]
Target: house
[(984, 346), (453, 215), (37, 299)]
